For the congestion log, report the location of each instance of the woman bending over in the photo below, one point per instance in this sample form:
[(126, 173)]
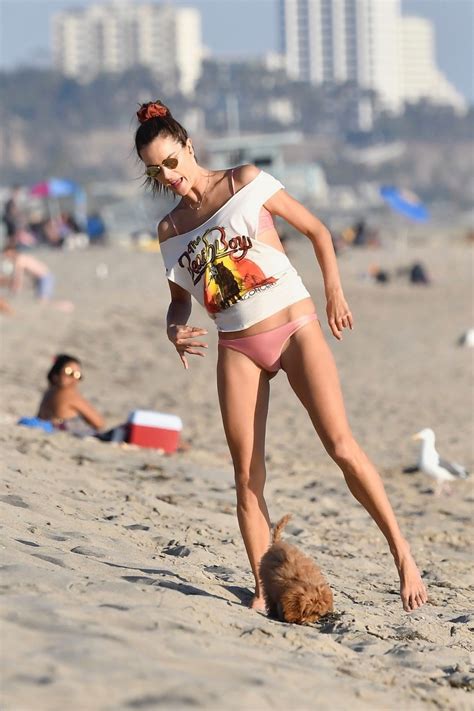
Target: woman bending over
[(219, 244)]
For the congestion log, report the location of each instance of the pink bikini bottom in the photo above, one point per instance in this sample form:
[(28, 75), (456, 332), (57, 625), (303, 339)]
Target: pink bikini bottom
[(265, 348)]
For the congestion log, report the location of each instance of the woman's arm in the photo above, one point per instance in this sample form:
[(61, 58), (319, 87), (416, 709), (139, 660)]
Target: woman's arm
[(88, 413), (182, 336), (285, 206), (180, 307)]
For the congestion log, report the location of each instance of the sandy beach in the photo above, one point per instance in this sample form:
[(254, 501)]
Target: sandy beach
[(124, 578)]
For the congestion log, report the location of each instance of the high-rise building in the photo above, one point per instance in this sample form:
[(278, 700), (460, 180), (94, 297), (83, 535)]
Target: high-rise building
[(419, 75), (121, 34), (366, 41), (343, 40)]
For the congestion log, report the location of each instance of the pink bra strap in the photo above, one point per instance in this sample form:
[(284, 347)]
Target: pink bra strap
[(232, 180), (172, 222)]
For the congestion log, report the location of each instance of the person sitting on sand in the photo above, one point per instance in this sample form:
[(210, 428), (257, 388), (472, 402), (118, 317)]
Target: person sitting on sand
[(26, 264), (62, 404), (65, 409)]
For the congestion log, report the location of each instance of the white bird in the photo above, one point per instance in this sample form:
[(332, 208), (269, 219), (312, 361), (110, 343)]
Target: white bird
[(430, 463), (467, 338)]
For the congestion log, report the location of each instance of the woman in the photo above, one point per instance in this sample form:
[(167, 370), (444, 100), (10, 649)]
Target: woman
[(219, 244), (33, 267), (62, 404)]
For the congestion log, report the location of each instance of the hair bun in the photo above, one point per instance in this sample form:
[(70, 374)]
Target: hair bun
[(153, 109)]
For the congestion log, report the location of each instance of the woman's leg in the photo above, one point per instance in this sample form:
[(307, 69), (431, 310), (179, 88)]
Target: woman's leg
[(312, 374), (243, 395)]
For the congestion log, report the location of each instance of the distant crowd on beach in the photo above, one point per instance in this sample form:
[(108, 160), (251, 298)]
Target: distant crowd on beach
[(25, 229), (50, 227), (362, 235)]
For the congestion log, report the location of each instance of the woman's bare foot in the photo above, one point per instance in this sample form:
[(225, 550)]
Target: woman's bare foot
[(258, 603), (412, 589)]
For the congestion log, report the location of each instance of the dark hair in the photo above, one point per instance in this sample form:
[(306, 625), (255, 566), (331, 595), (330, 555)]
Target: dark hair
[(155, 119), (59, 362)]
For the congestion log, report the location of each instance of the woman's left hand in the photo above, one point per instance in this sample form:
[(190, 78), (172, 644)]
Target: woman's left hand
[(338, 313)]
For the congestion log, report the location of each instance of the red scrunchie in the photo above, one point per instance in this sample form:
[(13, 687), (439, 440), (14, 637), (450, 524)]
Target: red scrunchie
[(150, 110)]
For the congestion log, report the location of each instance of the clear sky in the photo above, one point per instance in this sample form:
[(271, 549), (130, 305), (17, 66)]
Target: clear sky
[(242, 27)]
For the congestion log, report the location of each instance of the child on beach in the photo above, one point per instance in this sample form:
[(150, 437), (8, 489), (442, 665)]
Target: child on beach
[(62, 404)]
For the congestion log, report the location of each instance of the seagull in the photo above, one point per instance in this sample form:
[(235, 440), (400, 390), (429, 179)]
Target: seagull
[(467, 338), (429, 462)]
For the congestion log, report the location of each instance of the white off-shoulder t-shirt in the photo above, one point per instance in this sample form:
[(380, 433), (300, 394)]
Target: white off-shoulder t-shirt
[(239, 279)]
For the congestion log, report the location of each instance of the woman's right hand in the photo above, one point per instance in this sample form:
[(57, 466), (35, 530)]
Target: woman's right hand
[(184, 340)]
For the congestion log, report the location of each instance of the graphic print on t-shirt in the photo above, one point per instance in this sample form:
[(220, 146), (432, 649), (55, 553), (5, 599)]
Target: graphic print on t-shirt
[(228, 279), (223, 265)]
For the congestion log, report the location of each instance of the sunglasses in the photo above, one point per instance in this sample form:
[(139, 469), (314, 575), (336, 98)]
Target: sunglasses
[(75, 373), (154, 171)]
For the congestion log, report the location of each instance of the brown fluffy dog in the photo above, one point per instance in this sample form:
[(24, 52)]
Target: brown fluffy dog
[(294, 587)]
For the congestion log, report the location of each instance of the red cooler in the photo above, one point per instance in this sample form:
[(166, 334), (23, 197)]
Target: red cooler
[(156, 430)]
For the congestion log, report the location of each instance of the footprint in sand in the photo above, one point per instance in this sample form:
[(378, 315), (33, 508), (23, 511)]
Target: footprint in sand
[(14, 500), (142, 579), (149, 701), (89, 552), (55, 537), (49, 559), (27, 543), (464, 619), (31, 679), (178, 551), (220, 572), (186, 589), (66, 535)]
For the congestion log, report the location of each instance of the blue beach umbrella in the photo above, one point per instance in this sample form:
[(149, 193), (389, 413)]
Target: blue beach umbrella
[(405, 203)]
